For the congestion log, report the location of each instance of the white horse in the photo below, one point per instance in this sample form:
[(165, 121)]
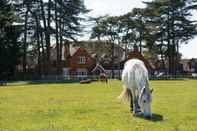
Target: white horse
[(136, 87)]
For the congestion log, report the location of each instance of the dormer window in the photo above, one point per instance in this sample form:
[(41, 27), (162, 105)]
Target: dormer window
[(82, 60)]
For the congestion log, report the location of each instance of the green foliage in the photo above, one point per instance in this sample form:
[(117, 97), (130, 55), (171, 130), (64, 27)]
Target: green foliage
[(160, 27), (39, 17), (170, 25), (9, 46), (76, 107), (107, 28)]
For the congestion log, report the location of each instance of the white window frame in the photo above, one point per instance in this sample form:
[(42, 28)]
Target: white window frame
[(81, 73), (82, 60)]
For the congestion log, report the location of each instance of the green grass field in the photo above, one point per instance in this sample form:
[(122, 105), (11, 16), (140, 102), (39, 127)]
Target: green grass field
[(94, 107)]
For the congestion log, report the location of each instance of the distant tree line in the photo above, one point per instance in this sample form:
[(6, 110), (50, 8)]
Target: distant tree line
[(160, 28), (28, 27)]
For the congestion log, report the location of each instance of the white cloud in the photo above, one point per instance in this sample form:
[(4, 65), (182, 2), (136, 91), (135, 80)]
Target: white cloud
[(189, 50), (112, 7)]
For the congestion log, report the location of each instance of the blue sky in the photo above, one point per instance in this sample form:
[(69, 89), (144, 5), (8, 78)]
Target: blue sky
[(118, 7)]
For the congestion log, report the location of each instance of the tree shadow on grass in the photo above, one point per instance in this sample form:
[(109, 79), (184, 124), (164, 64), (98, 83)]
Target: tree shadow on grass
[(53, 81), (29, 82), (34, 82), (154, 118)]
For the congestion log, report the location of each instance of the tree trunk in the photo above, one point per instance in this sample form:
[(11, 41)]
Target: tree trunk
[(140, 42), (25, 47), (47, 38), (38, 44), (162, 54), (112, 54), (57, 41), (43, 67), (173, 42), (48, 44), (169, 54), (61, 42), (61, 26)]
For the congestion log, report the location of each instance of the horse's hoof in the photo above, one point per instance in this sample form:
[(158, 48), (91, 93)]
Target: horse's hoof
[(147, 117), (137, 114)]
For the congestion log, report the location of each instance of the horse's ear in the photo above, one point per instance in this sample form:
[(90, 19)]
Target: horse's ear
[(151, 91)]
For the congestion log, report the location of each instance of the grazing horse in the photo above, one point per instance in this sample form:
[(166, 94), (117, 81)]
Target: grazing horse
[(136, 87)]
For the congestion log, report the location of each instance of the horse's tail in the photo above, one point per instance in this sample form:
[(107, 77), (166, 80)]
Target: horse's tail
[(125, 95)]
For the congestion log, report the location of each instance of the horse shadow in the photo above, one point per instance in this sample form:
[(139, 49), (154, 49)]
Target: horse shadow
[(154, 118)]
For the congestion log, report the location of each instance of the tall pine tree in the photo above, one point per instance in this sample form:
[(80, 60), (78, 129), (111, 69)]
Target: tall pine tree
[(9, 45)]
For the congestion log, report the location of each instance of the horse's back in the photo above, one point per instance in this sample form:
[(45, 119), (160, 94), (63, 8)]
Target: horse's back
[(134, 73)]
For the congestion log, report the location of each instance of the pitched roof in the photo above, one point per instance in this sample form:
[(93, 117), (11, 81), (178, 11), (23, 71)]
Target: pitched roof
[(73, 49), (66, 50)]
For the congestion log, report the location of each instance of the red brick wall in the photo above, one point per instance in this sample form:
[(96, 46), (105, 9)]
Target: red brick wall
[(74, 60)]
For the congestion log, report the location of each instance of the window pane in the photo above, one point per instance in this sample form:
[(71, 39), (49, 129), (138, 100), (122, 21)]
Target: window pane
[(82, 60)]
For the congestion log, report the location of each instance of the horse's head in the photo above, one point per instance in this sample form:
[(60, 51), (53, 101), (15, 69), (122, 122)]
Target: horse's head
[(145, 100)]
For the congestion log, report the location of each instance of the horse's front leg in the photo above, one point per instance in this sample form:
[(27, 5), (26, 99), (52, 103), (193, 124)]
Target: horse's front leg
[(137, 104), (136, 108)]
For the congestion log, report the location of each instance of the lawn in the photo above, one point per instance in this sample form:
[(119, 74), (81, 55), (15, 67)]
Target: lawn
[(94, 107)]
